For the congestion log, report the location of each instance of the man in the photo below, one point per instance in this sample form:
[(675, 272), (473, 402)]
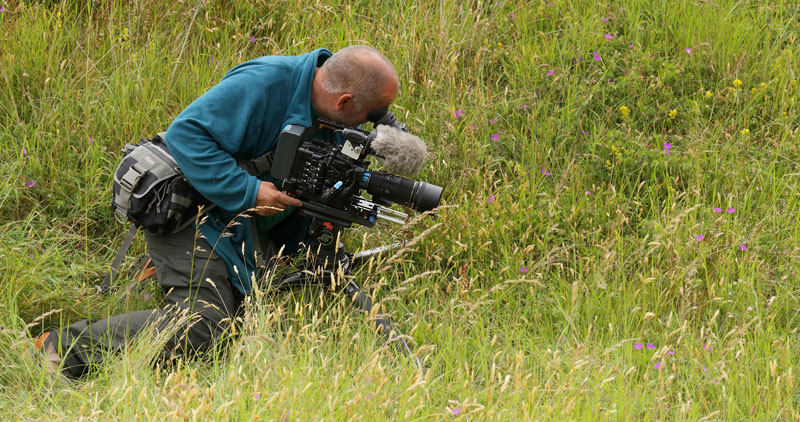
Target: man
[(239, 119)]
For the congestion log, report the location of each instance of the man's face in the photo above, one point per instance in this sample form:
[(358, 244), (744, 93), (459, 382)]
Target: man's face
[(347, 113)]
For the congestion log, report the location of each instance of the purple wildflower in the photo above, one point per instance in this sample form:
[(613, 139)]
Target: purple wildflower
[(491, 199), (258, 396), (742, 246), (699, 238), (667, 146), (523, 269), (731, 210), (609, 36), (31, 183), (671, 352), (147, 296), (688, 50), (474, 127), (551, 73), (707, 347), (252, 39), (605, 19), (24, 151), (717, 209), (651, 346), (491, 121), (597, 57), (630, 45), (657, 365), (457, 411), (459, 113), (587, 192), (369, 396), (524, 106), (512, 16), (637, 346), (545, 172), (2, 9), (495, 137)]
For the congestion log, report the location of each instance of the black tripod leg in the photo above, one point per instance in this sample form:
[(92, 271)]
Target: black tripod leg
[(382, 323)]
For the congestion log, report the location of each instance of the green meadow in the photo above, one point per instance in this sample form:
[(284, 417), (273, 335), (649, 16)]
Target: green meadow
[(619, 237)]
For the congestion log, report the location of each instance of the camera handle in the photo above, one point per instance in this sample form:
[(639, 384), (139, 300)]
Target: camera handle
[(330, 257)]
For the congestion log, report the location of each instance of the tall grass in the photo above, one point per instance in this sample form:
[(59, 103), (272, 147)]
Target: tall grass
[(573, 235)]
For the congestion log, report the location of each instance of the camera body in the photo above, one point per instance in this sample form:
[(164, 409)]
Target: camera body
[(330, 178)]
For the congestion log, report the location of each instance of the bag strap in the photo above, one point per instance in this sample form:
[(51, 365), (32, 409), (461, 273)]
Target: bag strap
[(105, 287)]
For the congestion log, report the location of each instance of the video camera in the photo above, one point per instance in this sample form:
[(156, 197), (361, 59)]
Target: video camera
[(329, 178)]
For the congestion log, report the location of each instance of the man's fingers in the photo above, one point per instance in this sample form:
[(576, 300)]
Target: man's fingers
[(288, 200)]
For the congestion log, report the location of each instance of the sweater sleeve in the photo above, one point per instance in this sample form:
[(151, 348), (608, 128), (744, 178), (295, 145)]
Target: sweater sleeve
[(207, 136)]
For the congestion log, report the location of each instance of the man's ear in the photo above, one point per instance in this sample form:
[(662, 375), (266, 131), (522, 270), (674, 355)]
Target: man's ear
[(344, 100)]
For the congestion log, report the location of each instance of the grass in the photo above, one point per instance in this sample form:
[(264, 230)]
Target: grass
[(525, 307)]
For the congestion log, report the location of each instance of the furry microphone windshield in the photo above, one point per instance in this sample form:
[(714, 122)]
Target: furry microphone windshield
[(400, 152)]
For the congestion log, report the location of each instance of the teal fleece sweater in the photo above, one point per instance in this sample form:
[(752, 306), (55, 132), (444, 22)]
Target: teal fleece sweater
[(240, 118)]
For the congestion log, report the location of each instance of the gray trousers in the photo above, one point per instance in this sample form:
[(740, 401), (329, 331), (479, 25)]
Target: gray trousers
[(194, 281)]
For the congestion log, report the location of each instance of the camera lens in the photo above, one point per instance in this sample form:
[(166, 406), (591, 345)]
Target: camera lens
[(420, 196)]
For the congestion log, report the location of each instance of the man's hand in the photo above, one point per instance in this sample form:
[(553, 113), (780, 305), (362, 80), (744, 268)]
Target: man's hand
[(271, 201)]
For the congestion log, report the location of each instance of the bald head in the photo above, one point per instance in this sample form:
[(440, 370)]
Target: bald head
[(363, 72)]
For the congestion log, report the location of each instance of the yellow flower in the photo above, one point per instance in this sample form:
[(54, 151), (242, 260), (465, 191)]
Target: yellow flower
[(709, 94), (499, 45), (737, 83), (753, 91), (486, 41), (763, 85), (624, 112), (745, 131), (673, 113)]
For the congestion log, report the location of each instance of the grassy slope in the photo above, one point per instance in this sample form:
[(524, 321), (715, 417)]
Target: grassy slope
[(571, 235)]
